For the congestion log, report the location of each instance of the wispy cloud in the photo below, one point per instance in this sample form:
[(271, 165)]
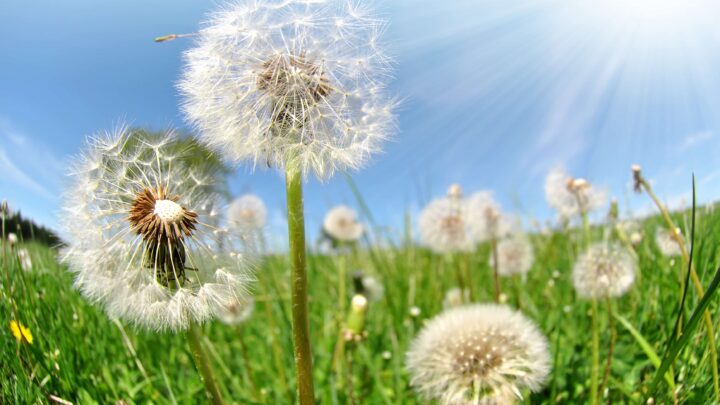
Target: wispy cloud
[(694, 139), (28, 165)]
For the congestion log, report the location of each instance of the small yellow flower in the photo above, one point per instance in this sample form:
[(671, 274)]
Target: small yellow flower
[(21, 333)]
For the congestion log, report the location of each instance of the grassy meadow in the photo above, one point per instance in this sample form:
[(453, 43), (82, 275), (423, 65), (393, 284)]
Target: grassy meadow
[(80, 356)]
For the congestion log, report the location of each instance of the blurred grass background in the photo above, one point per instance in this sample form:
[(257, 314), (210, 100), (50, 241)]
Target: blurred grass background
[(81, 356)]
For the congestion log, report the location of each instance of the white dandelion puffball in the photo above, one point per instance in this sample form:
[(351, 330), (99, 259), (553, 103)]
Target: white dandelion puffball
[(247, 213), (444, 226), (372, 288), (478, 354), (606, 269), (237, 313), (485, 218), (137, 218), (515, 256), (570, 196), (25, 260), (296, 83), (455, 297), (12, 239), (341, 224), (666, 242)]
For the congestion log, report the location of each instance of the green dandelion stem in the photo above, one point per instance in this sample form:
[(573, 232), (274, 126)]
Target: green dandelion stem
[(595, 366), (202, 363), (301, 323)]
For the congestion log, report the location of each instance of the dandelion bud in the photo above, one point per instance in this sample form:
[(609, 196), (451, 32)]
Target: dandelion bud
[(455, 191), (355, 323), (637, 178)]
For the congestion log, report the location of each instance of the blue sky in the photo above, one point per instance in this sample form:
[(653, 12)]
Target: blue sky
[(496, 94)]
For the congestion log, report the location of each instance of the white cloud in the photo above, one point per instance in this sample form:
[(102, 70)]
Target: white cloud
[(694, 139)]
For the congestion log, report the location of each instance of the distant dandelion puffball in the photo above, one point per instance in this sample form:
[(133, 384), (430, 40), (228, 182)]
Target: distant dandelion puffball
[(444, 226), (372, 288), (569, 196), (25, 260), (515, 256), (137, 217), (666, 242), (605, 269), (341, 224), (12, 239), (478, 354), (247, 213), (237, 312), (485, 219), (292, 82)]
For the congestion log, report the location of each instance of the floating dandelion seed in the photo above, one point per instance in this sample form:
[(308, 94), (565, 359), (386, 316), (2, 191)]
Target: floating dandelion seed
[(137, 216), (515, 256), (294, 83), (606, 269), (20, 332), (571, 197), (341, 224), (667, 243), (485, 219), (247, 214), (478, 354), (444, 226)]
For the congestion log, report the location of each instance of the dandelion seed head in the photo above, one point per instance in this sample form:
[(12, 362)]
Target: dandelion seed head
[(486, 219), (247, 213), (291, 82), (12, 239), (141, 243), (605, 269), (667, 243), (444, 226), (455, 297), (341, 224), (481, 353), (25, 260), (373, 289), (514, 255), (237, 312), (570, 196)]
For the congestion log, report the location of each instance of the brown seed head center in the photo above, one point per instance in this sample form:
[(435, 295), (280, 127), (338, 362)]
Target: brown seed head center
[(157, 216)]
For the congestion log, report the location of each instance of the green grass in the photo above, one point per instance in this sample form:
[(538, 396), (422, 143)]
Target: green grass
[(81, 356)]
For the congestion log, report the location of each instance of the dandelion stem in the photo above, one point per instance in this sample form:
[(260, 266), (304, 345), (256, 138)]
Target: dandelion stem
[(496, 276), (202, 363), (611, 347), (301, 323), (693, 276), (595, 366)]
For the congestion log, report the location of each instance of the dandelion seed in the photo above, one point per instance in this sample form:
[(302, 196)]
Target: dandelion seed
[(341, 225), (605, 269), (571, 197), (667, 243), (515, 256), (21, 333), (478, 354), (292, 82), (414, 312), (247, 214), (138, 217), (25, 260)]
